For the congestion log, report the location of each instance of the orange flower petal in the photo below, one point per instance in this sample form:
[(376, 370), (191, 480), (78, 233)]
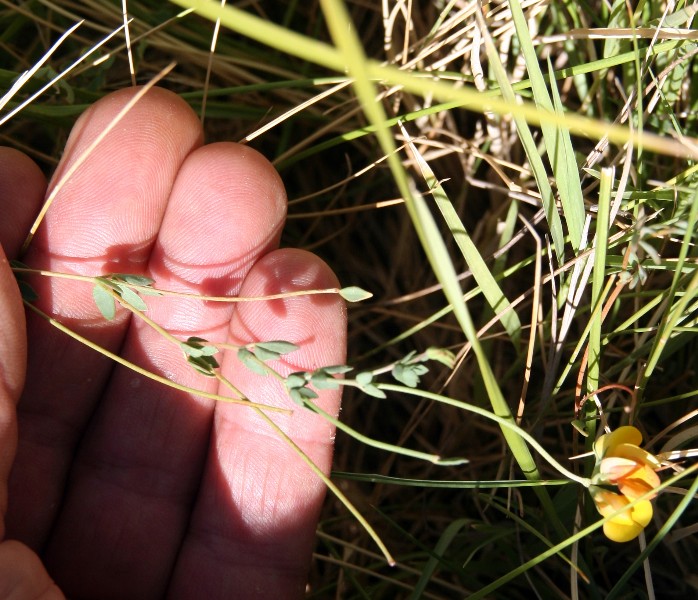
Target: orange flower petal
[(633, 488), (628, 524)]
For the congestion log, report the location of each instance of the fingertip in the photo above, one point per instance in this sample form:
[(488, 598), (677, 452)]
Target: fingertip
[(116, 176), (315, 322), (226, 209)]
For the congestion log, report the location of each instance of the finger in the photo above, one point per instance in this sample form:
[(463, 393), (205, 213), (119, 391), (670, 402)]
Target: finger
[(254, 523), (104, 219), (22, 576), (137, 471), (21, 188)]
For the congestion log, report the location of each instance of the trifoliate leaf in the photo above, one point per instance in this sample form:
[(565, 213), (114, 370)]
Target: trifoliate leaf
[(354, 294), (130, 297), (445, 357), (104, 301), (251, 361), (409, 374)]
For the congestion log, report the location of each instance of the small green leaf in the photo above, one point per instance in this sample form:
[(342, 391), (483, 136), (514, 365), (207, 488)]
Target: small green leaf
[(372, 390), (130, 297), (307, 393), (323, 380), (407, 359), (337, 369), (277, 346), (364, 378), (104, 301), (133, 279), (581, 427), (296, 380), (354, 294), (251, 361), (197, 347), (273, 350), (409, 374), (203, 364), (191, 351), (149, 292), (295, 395), (107, 283), (300, 395), (445, 357)]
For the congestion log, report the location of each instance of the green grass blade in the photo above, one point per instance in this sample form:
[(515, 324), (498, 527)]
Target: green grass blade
[(672, 317), (427, 230), (557, 138), (566, 171), (481, 272), (598, 278), (464, 96)]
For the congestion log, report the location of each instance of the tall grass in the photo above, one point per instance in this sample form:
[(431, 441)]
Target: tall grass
[(515, 183)]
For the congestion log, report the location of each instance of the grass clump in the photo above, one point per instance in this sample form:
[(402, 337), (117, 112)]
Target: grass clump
[(515, 184)]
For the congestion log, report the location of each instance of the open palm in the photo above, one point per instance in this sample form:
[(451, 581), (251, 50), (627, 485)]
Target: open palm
[(124, 487)]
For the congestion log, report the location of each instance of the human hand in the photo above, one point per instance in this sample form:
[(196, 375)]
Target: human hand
[(124, 487)]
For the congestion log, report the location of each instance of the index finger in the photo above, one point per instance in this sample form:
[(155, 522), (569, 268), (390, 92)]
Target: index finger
[(123, 200)]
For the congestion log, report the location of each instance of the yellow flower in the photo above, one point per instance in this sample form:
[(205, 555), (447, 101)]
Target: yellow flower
[(627, 525), (620, 462)]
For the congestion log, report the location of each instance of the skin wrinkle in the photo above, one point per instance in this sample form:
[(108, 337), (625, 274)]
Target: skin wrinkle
[(254, 486)]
